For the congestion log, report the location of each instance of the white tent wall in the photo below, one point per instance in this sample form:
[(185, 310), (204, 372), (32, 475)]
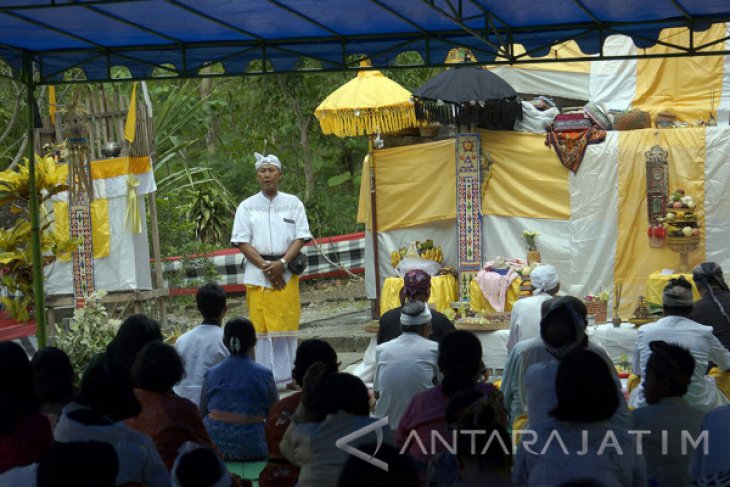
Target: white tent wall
[(594, 219), (546, 82), (613, 83), (717, 196)]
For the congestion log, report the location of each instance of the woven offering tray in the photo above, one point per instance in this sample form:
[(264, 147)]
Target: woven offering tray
[(637, 322), (480, 324)]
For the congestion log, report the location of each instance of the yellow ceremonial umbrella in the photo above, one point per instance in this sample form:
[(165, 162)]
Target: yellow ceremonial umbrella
[(369, 104)]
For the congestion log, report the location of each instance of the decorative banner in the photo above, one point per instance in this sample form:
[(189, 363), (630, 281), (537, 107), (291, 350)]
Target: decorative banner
[(657, 183), (81, 193), (83, 256), (468, 210)]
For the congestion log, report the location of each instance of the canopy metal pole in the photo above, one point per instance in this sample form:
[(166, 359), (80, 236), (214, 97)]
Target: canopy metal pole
[(35, 234), (374, 224)]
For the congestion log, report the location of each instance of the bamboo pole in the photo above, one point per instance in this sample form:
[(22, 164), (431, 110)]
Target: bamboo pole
[(35, 233), (374, 223), (159, 282)]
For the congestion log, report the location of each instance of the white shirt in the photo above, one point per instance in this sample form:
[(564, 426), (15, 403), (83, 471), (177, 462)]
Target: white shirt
[(665, 462), (717, 424), (542, 397), (139, 460), (404, 367), (547, 464), (15, 477), (200, 349), (524, 321), (270, 226), (312, 446), (536, 353), (701, 343)]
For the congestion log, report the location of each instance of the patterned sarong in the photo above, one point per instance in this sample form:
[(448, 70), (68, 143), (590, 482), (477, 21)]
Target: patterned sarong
[(570, 145)]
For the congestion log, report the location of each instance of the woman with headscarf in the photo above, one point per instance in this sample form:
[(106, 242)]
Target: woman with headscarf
[(676, 328), (416, 287), (713, 309)]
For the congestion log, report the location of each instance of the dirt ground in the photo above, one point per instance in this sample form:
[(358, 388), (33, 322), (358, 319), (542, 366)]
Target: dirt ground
[(323, 301)]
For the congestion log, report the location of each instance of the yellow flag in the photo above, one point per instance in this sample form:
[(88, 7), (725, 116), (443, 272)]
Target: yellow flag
[(52, 104), (129, 126)]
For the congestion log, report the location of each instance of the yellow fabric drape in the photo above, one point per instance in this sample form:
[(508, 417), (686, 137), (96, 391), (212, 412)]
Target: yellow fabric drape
[(415, 185), (110, 168), (132, 215), (480, 304), (444, 291), (657, 282), (722, 379), (527, 178), (635, 260), (52, 104), (681, 85), (131, 122), (100, 230)]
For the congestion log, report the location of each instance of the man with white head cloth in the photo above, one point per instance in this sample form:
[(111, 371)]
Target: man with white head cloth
[(525, 319), (405, 365), (270, 228), (676, 328)]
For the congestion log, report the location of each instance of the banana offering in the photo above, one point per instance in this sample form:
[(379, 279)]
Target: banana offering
[(426, 250)]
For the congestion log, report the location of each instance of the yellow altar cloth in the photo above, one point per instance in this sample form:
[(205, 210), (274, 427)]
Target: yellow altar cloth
[(658, 281), (480, 304), (443, 291)]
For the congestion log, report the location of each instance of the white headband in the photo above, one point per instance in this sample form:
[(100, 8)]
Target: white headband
[(420, 319), (271, 160), (544, 278)]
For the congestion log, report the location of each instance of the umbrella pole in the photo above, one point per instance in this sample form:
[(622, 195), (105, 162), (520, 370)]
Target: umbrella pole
[(374, 224)]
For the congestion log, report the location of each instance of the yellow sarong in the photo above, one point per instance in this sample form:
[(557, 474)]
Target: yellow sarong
[(275, 313)]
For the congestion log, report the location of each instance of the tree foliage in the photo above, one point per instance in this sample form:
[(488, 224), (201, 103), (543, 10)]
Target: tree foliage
[(206, 134)]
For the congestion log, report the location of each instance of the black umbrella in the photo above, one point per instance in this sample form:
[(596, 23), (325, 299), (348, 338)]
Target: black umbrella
[(468, 96)]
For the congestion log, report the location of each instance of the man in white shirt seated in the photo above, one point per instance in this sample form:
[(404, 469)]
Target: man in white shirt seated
[(525, 319), (677, 329), (405, 365), (562, 330), (202, 347)]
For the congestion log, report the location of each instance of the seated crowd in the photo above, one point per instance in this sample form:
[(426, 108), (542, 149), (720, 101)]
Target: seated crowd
[(150, 414)]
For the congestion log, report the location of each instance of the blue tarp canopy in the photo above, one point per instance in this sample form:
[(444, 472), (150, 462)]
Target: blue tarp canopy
[(179, 37)]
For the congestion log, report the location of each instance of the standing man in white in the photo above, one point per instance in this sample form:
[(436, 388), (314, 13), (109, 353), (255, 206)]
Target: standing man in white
[(525, 319), (270, 229)]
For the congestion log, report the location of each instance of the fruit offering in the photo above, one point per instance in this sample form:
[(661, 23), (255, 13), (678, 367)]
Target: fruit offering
[(426, 250), (680, 220)]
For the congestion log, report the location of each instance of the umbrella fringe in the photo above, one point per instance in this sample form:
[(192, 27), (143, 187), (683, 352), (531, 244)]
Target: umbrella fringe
[(495, 114), (385, 120)]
